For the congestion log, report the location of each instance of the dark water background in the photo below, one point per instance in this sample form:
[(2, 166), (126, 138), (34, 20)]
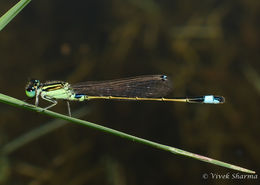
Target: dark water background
[(206, 47)]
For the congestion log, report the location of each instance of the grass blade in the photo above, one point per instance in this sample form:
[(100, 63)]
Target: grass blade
[(18, 103), (10, 14)]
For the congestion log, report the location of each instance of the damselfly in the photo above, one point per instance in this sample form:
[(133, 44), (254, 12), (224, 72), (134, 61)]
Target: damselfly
[(141, 88)]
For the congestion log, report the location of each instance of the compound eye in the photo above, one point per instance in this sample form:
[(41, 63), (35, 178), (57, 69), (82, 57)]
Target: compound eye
[(30, 92), (36, 82)]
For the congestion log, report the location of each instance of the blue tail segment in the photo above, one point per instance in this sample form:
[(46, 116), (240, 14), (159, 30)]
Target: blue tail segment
[(208, 99), (79, 95), (214, 99)]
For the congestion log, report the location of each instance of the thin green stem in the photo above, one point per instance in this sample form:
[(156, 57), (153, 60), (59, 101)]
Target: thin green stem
[(19, 103), (11, 13)]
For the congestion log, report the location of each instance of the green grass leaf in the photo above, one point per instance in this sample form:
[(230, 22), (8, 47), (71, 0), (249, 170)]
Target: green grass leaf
[(18, 103), (10, 14)]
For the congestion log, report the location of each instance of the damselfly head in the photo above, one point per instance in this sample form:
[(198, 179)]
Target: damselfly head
[(164, 77), (31, 87)]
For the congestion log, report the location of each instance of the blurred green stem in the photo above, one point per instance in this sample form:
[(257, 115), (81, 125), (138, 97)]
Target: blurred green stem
[(18, 103), (38, 132)]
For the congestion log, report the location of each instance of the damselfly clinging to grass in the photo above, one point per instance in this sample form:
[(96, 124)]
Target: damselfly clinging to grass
[(150, 87)]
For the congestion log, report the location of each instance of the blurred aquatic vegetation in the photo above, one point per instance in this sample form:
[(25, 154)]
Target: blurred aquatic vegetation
[(252, 76), (205, 47)]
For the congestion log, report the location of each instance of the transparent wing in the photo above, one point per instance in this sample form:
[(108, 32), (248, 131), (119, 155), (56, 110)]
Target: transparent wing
[(140, 86)]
